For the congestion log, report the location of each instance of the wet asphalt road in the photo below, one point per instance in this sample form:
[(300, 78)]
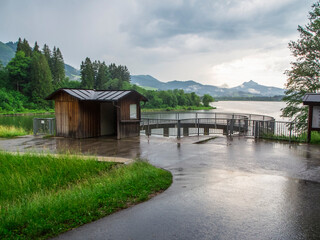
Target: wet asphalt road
[(224, 189)]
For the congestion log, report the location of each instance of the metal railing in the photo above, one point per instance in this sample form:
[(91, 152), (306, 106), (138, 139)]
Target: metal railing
[(44, 126), (250, 125)]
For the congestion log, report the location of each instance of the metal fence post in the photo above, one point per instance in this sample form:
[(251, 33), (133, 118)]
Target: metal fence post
[(179, 128), (290, 129), (231, 125), (34, 127), (198, 123), (256, 130)]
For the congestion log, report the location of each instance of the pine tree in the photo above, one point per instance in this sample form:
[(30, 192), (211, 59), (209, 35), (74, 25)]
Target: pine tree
[(102, 76), (25, 47), (305, 71), (119, 72), (57, 68), (36, 48), (41, 80), (87, 74), (47, 53), (19, 45)]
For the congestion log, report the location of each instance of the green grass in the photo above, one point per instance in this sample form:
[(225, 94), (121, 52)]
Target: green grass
[(178, 108), (42, 196), (11, 131), (302, 138), (27, 111)]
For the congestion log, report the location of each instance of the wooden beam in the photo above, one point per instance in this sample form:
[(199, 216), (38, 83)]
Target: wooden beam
[(118, 123), (309, 123)]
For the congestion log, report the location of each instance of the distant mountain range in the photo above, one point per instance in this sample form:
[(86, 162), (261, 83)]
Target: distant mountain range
[(8, 50), (247, 89)]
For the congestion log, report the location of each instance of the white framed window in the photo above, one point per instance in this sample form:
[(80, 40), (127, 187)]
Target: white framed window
[(133, 111)]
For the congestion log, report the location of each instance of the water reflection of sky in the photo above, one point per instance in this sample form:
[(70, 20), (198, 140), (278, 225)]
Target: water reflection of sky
[(272, 109)]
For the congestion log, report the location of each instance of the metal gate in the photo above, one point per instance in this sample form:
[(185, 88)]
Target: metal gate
[(45, 126)]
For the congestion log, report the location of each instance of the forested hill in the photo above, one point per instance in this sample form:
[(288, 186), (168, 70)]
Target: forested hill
[(246, 89), (8, 50)]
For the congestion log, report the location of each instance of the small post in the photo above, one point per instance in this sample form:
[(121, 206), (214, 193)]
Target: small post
[(148, 133), (166, 132), (34, 126), (198, 126), (256, 130), (231, 126), (290, 128), (179, 129), (185, 131), (309, 123)]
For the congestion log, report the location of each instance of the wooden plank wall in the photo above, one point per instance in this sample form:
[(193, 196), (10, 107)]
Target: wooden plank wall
[(76, 119), (125, 107), (89, 119), (67, 115), (129, 127)]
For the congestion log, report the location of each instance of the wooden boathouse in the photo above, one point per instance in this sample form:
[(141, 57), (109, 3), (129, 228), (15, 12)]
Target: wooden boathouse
[(83, 113)]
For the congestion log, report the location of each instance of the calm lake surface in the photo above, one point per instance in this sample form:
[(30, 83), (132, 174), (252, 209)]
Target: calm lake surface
[(272, 109)]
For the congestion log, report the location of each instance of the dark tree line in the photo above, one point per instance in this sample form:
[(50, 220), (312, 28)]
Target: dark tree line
[(34, 73), (100, 76), (30, 76), (97, 75)]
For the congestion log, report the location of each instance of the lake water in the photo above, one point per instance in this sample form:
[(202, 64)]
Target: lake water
[(272, 109)]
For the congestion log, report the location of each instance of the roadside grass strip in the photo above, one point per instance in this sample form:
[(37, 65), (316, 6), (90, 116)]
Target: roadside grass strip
[(11, 131), (42, 196), (301, 138)]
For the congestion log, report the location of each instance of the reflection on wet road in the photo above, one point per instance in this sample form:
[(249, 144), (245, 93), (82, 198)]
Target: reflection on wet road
[(224, 189)]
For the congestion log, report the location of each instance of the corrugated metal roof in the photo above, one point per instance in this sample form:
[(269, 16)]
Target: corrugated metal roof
[(96, 95), (311, 98)]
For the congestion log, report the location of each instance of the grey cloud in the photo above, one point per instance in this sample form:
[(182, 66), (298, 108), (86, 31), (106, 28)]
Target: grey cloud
[(155, 24)]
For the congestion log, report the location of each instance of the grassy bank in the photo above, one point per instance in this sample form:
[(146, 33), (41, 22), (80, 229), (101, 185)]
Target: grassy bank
[(27, 112), (42, 196), (178, 108), (302, 138), (11, 131)]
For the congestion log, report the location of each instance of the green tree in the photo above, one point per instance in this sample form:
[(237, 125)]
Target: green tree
[(25, 47), (303, 77), (11, 100), (57, 68), (4, 77), (206, 99), (87, 74), (41, 80), (194, 99), (120, 72), (19, 71), (36, 48), (102, 76), (113, 84), (66, 83), (47, 53)]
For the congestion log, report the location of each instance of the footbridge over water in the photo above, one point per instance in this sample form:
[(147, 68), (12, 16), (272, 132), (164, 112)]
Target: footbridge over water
[(205, 123)]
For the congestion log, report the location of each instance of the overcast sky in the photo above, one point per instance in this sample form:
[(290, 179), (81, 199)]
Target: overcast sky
[(213, 42)]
